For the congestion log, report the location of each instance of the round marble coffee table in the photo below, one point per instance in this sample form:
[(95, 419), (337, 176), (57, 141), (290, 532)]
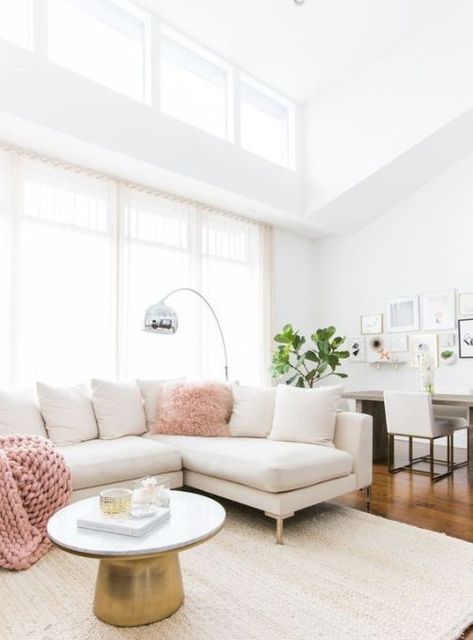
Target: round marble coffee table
[(139, 579)]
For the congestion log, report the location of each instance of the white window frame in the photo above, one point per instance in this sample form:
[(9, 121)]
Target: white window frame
[(140, 15), (30, 19), (206, 55), (290, 107)]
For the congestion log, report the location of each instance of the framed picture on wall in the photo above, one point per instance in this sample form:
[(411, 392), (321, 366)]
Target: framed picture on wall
[(372, 324), (398, 343), (426, 342), (357, 349), (465, 304), (446, 340), (465, 338), (438, 310), (403, 314)]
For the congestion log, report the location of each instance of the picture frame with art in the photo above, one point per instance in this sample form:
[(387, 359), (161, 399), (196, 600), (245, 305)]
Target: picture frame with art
[(465, 304), (403, 314), (438, 310), (356, 347), (465, 338), (372, 324), (447, 340), (427, 342), (398, 343)]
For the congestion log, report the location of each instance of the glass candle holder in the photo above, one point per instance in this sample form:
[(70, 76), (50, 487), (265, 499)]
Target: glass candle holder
[(149, 494), (115, 503)]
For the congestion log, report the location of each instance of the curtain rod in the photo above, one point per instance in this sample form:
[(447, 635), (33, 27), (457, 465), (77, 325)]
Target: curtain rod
[(134, 186)]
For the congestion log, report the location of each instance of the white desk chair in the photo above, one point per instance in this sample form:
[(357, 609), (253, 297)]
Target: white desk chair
[(461, 414), (411, 414)]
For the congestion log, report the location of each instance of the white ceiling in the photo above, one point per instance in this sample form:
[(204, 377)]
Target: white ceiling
[(299, 50)]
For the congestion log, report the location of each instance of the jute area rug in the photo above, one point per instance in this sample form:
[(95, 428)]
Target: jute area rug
[(342, 574)]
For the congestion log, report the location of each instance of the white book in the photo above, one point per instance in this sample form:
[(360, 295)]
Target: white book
[(127, 526)]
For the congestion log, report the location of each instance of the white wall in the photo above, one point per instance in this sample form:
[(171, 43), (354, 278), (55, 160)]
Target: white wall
[(423, 244), (361, 124), (293, 293)]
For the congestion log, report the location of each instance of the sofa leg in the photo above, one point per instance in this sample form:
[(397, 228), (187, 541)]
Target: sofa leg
[(368, 499), (279, 524), (279, 530)]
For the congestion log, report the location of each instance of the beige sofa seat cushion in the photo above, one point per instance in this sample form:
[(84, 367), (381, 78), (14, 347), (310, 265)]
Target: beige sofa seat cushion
[(98, 462), (268, 465)]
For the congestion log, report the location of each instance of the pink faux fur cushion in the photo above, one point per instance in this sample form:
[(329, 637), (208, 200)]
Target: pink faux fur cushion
[(202, 409)]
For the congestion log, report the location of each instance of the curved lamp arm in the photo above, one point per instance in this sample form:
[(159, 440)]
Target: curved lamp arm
[(204, 299)]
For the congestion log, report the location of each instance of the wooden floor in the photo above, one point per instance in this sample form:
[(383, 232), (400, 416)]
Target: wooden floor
[(445, 506)]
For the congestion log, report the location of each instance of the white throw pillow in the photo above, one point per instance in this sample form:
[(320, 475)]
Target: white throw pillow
[(68, 413), (150, 390), (253, 411), (119, 409), (19, 413), (305, 415)]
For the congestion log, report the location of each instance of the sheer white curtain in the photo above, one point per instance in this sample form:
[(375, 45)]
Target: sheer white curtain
[(82, 257), (167, 245), (57, 320)]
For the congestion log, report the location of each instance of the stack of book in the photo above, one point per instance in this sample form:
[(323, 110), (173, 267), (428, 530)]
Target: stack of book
[(127, 525)]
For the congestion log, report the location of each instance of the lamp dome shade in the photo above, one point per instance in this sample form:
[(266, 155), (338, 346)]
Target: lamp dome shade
[(161, 318)]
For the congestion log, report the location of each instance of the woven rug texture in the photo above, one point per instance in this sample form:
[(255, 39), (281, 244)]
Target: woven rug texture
[(342, 574)]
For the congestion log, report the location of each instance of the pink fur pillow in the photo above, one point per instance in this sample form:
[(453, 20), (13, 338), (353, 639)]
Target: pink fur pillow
[(200, 409)]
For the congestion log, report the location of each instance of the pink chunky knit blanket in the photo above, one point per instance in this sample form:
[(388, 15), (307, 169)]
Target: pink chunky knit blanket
[(34, 483)]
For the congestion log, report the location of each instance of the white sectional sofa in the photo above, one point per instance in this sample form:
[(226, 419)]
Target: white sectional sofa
[(279, 478), (275, 476)]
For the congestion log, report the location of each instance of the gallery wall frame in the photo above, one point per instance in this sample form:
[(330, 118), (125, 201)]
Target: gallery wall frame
[(403, 314), (465, 304), (356, 346), (429, 341), (465, 338), (438, 310), (372, 324)]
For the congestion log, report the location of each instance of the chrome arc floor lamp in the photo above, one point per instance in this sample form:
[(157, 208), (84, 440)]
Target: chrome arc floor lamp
[(161, 318)]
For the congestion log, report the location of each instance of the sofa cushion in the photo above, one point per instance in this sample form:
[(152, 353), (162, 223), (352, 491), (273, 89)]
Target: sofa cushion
[(305, 415), (253, 410), (19, 413), (67, 412), (150, 390), (98, 462), (260, 463), (197, 409), (119, 409)]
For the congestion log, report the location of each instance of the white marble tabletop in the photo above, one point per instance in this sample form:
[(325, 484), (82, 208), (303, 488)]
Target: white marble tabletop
[(194, 518)]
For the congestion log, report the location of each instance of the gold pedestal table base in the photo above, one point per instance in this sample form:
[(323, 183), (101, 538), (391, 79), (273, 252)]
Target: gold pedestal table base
[(132, 592)]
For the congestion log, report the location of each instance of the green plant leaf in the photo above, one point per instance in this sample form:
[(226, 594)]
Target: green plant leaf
[(305, 368)]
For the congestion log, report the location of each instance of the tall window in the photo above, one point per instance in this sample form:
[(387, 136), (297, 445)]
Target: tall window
[(57, 289), (16, 20), (195, 85), (169, 245), (104, 40), (81, 259), (267, 123)]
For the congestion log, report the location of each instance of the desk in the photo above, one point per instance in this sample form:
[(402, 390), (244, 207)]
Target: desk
[(372, 403)]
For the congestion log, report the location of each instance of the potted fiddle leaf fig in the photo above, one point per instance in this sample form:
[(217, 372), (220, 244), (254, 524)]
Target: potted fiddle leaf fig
[(303, 363)]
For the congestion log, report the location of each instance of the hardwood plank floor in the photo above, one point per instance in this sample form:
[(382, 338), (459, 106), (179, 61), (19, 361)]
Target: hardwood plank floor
[(445, 506)]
